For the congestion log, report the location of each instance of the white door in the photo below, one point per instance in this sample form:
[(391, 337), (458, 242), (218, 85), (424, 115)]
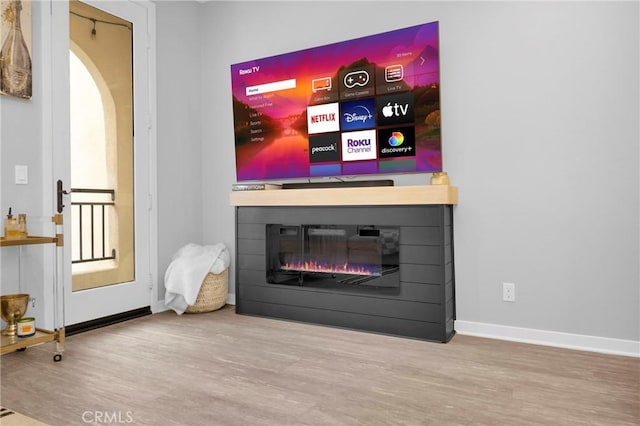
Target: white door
[(136, 291)]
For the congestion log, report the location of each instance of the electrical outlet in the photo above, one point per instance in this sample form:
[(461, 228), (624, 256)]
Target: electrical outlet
[(508, 292)]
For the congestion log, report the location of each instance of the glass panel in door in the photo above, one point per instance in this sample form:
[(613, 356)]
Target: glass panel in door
[(101, 133)]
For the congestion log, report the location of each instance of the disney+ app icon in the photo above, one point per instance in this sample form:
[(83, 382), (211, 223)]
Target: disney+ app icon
[(356, 115)]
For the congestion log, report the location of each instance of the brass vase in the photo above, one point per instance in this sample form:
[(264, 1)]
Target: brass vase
[(12, 308)]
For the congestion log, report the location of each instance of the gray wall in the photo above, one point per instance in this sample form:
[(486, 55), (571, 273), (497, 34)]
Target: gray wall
[(540, 132), (180, 182), (21, 137)]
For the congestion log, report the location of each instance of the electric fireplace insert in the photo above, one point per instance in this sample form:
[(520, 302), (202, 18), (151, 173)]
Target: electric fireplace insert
[(333, 256)]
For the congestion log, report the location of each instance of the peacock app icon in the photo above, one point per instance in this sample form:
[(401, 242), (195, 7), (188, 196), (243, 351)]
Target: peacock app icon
[(397, 142), (324, 148)]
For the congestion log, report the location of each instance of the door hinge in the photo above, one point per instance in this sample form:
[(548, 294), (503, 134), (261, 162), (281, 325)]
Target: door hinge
[(150, 281)]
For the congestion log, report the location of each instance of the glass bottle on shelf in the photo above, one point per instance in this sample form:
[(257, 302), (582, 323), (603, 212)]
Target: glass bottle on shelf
[(15, 61), (22, 225)]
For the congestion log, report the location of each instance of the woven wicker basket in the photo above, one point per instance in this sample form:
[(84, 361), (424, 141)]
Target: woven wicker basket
[(212, 294)]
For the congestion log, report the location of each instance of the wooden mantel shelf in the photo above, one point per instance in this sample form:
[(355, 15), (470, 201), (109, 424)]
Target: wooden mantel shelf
[(364, 196)]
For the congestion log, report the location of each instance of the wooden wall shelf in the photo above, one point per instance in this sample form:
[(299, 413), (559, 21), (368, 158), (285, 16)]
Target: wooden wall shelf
[(365, 196), (4, 242)]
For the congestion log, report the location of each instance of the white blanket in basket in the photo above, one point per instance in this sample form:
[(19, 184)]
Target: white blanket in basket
[(188, 268)]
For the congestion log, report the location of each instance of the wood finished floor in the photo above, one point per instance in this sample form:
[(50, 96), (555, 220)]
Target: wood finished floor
[(221, 368)]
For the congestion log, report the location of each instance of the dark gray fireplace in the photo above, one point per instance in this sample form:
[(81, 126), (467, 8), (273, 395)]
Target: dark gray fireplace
[(385, 269)]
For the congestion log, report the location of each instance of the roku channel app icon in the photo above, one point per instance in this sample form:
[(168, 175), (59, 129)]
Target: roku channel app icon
[(356, 115), (359, 145)]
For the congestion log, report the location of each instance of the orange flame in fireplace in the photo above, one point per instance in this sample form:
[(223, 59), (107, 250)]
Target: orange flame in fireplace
[(345, 268)]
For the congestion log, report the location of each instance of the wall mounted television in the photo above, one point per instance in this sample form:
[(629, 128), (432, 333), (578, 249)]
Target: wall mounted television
[(365, 106)]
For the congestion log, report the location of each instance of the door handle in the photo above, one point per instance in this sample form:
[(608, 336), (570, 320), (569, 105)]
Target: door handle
[(60, 192)]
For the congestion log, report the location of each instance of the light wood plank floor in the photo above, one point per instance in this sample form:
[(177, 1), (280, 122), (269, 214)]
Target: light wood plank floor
[(226, 369)]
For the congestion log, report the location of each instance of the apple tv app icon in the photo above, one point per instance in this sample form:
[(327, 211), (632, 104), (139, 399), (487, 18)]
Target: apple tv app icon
[(395, 109)]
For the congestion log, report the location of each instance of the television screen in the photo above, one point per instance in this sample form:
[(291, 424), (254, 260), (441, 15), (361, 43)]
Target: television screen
[(365, 106)]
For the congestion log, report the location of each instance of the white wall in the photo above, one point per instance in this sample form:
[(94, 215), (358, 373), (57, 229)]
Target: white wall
[(540, 132), (180, 181)]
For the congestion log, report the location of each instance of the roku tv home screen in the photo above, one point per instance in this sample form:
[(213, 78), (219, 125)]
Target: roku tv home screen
[(364, 106)]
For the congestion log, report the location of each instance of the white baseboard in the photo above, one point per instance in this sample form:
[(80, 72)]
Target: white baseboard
[(550, 338), (231, 299), (158, 307)]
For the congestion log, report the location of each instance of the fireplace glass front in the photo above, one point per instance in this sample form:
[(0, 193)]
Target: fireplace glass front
[(331, 256)]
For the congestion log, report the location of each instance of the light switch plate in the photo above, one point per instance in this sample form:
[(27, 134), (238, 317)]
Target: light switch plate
[(22, 177)]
